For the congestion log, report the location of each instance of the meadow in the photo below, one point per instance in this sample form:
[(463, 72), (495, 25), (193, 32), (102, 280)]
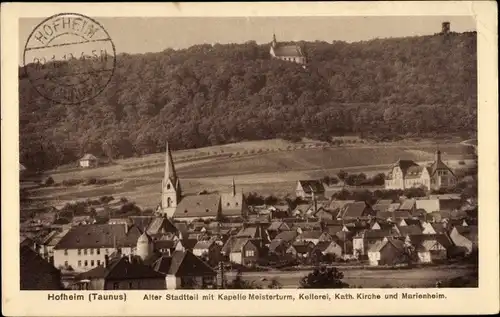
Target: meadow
[(266, 167), (368, 278)]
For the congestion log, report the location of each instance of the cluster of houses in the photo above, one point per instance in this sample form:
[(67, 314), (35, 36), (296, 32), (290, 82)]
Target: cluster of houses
[(172, 253), (184, 244)]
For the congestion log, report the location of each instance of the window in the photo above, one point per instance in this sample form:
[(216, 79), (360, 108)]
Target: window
[(92, 263), (91, 251), (79, 263), (236, 204), (98, 251), (130, 285), (86, 263), (249, 253), (85, 251), (116, 285), (106, 251), (65, 251), (228, 204), (169, 201), (98, 262), (168, 186), (79, 251)]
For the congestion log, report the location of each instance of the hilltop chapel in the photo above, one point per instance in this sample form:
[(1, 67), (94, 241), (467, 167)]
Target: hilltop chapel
[(193, 207), (291, 53)]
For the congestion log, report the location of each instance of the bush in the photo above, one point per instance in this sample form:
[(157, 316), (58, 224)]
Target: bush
[(49, 181), (72, 182)]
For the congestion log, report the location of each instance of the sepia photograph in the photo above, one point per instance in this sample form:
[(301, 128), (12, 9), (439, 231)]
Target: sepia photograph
[(275, 152), (301, 158)]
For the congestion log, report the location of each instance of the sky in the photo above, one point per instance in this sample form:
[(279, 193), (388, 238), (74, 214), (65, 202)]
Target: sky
[(142, 35)]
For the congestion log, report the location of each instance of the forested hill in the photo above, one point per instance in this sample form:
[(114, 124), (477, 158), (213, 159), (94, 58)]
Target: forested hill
[(205, 95)]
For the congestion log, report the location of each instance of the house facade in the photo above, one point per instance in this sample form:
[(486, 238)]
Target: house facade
[(88, 160), (407, 174), (309, 189)]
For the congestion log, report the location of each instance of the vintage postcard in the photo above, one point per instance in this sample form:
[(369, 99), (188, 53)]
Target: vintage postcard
[(249, 158)]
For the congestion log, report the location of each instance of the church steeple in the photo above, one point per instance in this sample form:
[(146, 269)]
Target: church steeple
[(274, 43), (169, 166), (171, 189)]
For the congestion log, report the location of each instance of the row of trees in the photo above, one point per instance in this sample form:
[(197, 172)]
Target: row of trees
[(209, 95)]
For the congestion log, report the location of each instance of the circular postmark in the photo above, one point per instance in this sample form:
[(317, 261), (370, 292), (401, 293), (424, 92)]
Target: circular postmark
[(69, 58)]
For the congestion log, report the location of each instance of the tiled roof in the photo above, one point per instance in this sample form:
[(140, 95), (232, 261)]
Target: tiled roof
[(310, 186), (160, 224), (339, 204), (357, 210), (439, 165), (203, 245), (313, 234), (408, 204), (288, 51), (99, 236), (275, 225), (185, 263), (198, 206), (381, 207), (396, 243), (469, 232), (287, 235), (88, 157), (232, 205), (424, 242), (332, 230), (142, 222), (404, 165), (121, 269), (302, 247), (36, 273), (188, 244), (238, 244), (165, 244), (322, 245), (400, 214), (409, 230), (384, 201), (374, 234), (414, 171), (276, 243)]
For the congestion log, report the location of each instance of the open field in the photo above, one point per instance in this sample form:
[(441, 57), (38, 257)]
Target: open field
[(366, 278), (266, 172)]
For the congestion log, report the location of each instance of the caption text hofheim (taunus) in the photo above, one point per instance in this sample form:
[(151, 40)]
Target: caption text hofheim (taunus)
[(334, 296)]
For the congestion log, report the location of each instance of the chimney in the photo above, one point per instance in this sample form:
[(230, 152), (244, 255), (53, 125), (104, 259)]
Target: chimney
[(106, 261)]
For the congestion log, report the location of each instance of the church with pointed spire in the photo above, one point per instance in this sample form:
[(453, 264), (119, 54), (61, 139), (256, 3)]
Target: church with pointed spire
[(171, 188), (202, 206), (290, 53)]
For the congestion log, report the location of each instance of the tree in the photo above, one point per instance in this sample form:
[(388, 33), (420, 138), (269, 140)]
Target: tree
[(275, 284), (239, 283), (49, 181), (324, 277), (342, 175)]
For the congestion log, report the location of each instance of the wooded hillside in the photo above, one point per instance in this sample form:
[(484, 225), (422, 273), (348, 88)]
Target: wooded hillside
[(207, 95)]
